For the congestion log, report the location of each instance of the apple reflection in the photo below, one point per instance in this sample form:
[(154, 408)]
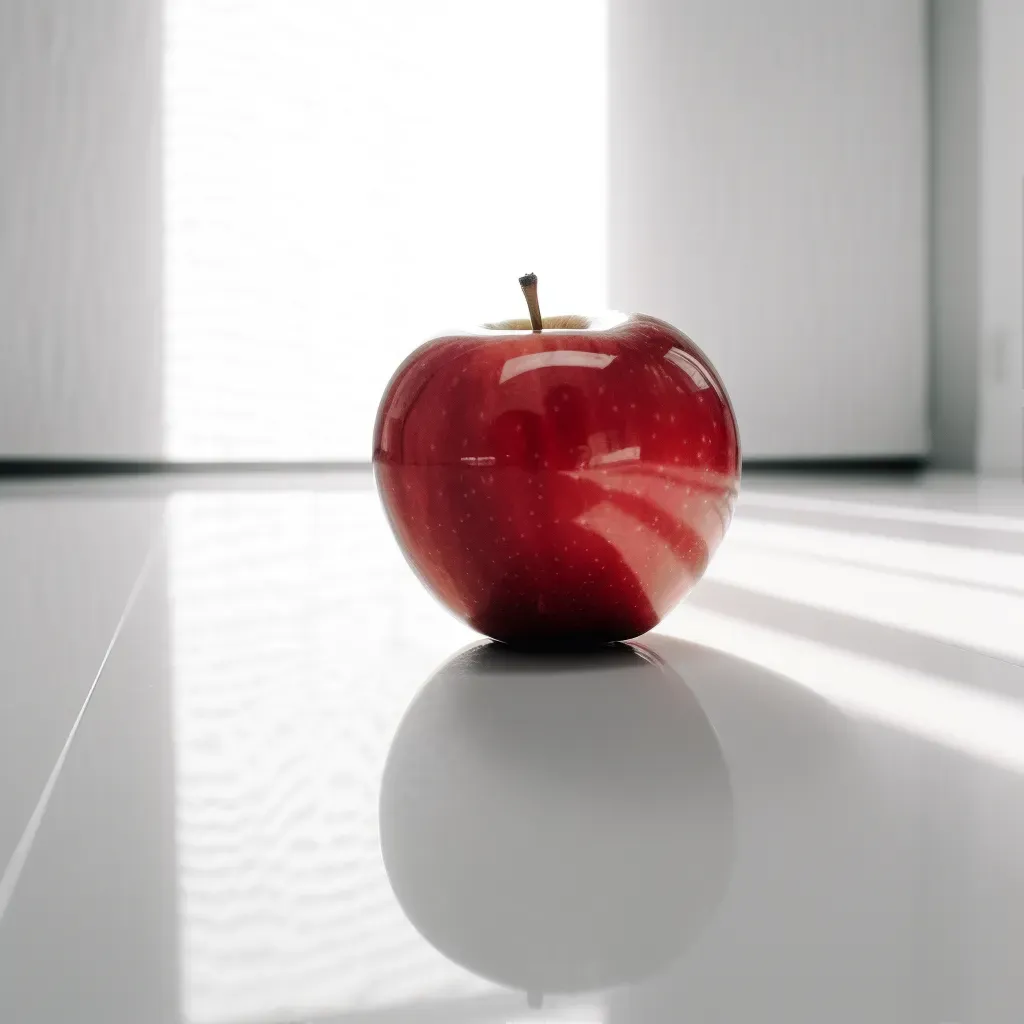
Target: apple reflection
[(557, 823)]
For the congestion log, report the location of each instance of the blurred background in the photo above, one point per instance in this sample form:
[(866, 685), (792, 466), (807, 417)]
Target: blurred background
[(223, 223)]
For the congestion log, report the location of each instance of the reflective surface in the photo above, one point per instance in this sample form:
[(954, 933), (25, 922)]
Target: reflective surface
[(559, 487), (299, 789), (557, 824)]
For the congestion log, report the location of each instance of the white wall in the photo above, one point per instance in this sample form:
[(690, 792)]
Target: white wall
[(80, 354), (768, 188), (978, 211), (767, 194), (955, 166), (1001, 400)]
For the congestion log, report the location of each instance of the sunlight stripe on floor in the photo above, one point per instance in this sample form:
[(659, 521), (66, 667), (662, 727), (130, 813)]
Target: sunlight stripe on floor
[(977, 566), (983, 725), (898, 513), (960, 614)]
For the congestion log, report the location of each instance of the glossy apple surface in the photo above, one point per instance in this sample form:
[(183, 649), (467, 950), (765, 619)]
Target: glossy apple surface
[(561, 487)]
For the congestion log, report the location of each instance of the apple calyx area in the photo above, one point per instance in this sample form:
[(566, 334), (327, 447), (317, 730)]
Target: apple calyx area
[(565, 322)]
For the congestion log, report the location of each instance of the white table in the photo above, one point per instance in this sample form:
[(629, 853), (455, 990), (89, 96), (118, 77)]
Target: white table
[(203, 681)]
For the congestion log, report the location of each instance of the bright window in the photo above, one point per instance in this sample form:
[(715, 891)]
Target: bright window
[(344, 177)]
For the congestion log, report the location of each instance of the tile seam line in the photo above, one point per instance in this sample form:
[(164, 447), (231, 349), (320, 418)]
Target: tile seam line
[(19, 858)]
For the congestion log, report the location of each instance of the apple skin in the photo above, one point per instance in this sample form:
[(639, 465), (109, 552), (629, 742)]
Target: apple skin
[(558, 488)]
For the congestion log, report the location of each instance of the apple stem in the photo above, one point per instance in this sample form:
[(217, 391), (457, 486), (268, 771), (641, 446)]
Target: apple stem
[(528, 282)]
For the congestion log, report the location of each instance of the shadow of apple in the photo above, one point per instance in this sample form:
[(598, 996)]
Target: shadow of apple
[(557, 823)]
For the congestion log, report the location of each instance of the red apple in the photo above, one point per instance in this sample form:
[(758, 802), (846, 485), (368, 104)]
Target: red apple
[(560, 486)]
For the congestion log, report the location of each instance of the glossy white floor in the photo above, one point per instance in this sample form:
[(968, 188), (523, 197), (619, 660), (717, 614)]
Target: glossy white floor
[(221, 802)]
